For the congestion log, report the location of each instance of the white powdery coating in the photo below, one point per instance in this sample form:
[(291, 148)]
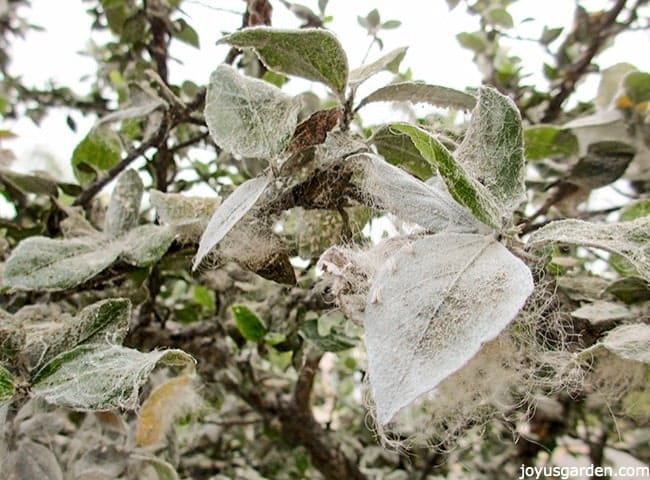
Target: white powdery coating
[(391, 189), (247, 116), (431, 308), (629, 239), (103, 378), (631, 342), (228, 214), (124, 207)]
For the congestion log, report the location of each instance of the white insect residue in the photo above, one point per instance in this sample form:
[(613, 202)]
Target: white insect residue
[(375, 296)]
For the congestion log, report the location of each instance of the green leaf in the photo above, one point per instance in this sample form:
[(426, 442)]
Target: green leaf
[(332, 342), (637, 87), (40, 263), (628, 239), (546, 141), (248, 323), (101, 149), (314, 54), (472, 41), (247, 116), (29, 183), (391, 24), (185, 33), (421, 93), (630, 290), (389, 61), (124, 208), (7, 388), (634, 210), (550, 34), (499, 16), (106, 321), (492, 150), (465, 189), (398, 149), (204, 297), (101, 377)]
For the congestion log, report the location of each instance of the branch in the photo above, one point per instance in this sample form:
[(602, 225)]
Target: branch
[(579, 68), (94, 188)]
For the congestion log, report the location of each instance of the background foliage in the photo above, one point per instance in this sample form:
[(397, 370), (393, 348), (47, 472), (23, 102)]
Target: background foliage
[(167, 316)]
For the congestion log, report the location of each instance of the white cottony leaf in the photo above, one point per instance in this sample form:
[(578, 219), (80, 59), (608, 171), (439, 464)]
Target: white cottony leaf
[(124, 208), (412, 92), (229, 213), (390, 188), (101, 377), (631, 342), (629, 239), (247, 116), (385, 62), (31, 461), (431, 307)]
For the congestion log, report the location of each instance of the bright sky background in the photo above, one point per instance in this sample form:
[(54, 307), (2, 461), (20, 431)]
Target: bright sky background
[(428, 28)]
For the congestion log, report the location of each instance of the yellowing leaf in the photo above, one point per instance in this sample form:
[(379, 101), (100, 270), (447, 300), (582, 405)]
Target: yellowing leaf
[(165, 403)]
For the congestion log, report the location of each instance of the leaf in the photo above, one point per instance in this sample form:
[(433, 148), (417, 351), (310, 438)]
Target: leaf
[(124, 208), (547, 141), (29, 183), (472, 41), (389, 188), (398, 149), (101, 149), (106, 321), (465, 189), (389, 61), (247, 116), (430, 309), (332, 342), (630, 290), (145, 245), (179, 209), (499, 16), (602, 311), (610, 83), (32, 461), (314, 54), (185, 33), (142, 103), (228, 214), (159, 410), (164, 470), (6, 385), (631, 342), (101, 377), (421, 93), (628, 239), (492, 150), (604, 163), (550, 34), (248, 323), (637, 87), (640, 208), (41, 263)]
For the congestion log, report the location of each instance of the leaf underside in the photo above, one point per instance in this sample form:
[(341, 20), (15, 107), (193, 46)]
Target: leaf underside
[(431, 308)]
